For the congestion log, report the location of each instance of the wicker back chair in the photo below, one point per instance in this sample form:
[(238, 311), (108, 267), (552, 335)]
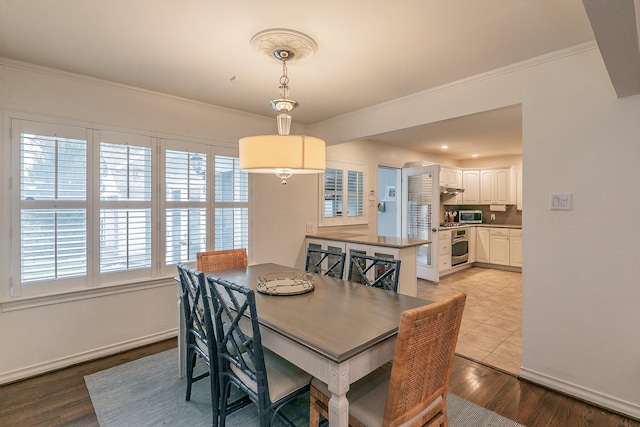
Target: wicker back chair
[(220, 260), (386, 271), (334, 260), (244, 362), (413, 390)]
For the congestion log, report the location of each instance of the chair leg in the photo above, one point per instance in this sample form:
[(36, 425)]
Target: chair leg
[(215, 399), (191, 363), (316, 407)]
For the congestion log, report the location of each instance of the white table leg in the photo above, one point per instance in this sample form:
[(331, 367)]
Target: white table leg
[(338, 403)]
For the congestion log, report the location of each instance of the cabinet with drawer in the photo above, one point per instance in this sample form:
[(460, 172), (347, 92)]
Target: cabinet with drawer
[(444, 250)]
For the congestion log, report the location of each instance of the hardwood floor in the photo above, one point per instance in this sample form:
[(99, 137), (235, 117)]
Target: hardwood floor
[(61, 398)]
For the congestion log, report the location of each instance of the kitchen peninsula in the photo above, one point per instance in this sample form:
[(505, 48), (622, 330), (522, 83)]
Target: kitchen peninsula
[(395, 247)]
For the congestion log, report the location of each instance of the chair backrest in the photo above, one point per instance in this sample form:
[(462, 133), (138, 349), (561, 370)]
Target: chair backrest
[(197, 315), (335, 262), (239, 347), (385, 271), (219, 260), (422, 361)]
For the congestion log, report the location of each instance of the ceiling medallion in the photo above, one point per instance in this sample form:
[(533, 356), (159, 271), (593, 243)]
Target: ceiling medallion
[(283, 44)]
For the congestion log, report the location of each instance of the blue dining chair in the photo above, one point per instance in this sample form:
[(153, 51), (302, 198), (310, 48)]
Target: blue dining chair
[(385, 271), (269, 380), (335, 262)]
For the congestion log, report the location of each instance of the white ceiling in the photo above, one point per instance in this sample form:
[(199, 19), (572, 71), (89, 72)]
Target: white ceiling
[(369, 51)]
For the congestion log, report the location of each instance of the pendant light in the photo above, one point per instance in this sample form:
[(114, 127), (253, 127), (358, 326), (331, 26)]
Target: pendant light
[(283, 154)]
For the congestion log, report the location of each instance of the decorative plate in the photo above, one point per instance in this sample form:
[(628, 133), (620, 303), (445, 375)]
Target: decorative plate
[(285, 283)]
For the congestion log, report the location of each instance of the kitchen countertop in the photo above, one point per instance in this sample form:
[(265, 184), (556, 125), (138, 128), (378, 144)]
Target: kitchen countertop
[(390, 242), (488, 225)]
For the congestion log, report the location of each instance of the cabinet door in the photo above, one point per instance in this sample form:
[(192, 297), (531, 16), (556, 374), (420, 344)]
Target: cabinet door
[(471, 233), (487, 178), (471, 184), (482, 244), (499, 246), (515, 248)]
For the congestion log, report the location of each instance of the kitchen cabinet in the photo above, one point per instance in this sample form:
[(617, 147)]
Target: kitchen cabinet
[(471, 234), (497, 186), (471, 185), (451, 178), (499, 246), (482, 244), (444, 250), (515, 247)]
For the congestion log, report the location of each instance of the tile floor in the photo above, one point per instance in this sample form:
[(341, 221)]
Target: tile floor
[(491, 329)]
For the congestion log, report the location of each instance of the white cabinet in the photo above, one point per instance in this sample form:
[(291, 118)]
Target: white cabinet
[(499, 246), (471, 185), (448, 178), (451, 178), (497, 186), (444, 250), (515, 247), (482, 244), (471, 234)]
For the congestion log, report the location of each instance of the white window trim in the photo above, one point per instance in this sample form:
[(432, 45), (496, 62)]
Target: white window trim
[(345, 166), (15, 295)]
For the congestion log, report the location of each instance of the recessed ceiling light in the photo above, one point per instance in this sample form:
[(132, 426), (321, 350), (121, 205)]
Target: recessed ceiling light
[(444, 147), (474, 155)]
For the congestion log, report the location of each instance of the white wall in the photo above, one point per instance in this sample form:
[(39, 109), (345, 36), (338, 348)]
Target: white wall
[(580, 291), (44, 334)]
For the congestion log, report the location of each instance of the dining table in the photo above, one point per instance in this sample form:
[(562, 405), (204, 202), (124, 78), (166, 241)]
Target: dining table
[(338, 332)]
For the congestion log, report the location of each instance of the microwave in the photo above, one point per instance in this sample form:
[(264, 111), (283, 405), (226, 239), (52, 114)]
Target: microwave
[(470, 217)]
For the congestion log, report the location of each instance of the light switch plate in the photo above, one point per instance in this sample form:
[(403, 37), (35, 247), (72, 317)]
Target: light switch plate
[(560, 201)]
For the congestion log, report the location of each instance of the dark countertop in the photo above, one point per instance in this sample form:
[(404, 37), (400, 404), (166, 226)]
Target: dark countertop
[(488, 225), (386, 241)]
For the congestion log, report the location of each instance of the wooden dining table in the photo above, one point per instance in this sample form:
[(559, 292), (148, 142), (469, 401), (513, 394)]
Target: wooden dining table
[(338, 332)]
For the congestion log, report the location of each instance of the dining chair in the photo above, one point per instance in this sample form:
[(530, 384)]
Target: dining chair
[(335, 262), (269, 380), (412, 390), (220, 260), (385, 271), (200, 341)]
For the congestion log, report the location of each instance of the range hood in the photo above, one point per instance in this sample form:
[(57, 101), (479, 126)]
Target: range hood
[(450, 190)]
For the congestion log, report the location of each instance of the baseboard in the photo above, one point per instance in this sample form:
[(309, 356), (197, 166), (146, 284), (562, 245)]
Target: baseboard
[(629, 409), (63, 362)]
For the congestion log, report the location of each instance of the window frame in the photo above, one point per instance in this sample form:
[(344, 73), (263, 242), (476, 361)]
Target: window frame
[(26, 294), (343, 219)]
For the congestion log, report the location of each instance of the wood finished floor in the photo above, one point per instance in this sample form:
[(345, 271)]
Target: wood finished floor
[(61, 398)]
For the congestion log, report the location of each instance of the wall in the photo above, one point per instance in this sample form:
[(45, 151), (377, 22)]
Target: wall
[(45, 334), (580, 292)]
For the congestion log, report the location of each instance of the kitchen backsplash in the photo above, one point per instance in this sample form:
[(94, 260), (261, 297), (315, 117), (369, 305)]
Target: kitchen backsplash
[(511, 216)]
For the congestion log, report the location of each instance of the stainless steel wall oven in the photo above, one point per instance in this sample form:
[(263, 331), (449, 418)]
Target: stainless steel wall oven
[(459, 246)]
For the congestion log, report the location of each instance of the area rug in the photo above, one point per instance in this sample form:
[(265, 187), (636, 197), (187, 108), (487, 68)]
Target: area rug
[(148, 392)]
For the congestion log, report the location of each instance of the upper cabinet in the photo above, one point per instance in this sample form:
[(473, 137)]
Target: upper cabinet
[(482, 186), (498, 186), (471, 185), (451, 178)]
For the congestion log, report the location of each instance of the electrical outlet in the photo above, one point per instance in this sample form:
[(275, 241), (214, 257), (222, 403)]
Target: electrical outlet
[(309, 227), (493, 217)]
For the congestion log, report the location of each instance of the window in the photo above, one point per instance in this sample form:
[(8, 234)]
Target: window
[(231, 200), (95, 207), (342, 193), (125, 203)]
